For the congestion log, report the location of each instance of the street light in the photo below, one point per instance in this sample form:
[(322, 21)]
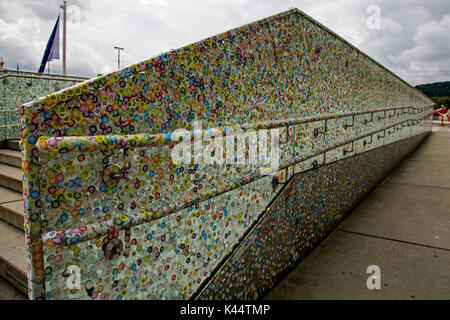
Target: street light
[(118, 56)]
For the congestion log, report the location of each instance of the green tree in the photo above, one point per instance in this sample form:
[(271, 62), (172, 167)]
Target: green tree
[(441, 102)]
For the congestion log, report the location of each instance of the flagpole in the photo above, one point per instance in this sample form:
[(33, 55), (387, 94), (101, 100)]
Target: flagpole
[(64, 7)]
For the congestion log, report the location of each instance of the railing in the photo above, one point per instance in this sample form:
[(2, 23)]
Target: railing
[(19, 87), (103, 143), (104, 195), (442, 113), (10, 125), (58, 154)]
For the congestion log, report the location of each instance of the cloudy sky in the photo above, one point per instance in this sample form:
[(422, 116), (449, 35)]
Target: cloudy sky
[(412, 38)]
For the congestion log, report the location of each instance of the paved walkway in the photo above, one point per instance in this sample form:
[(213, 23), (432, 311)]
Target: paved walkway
[(403, 227)]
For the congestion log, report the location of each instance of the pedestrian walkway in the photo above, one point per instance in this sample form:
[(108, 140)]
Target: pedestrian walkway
[(402, 227)]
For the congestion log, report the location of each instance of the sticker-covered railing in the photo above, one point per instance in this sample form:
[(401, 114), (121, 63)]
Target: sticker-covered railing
[(19, 87), (112, 213)]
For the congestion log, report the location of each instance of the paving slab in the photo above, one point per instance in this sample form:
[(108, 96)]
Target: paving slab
[(434, 149), (438, 128), (402, 227), (437, 140), (337, 269), (432, 174), (440, 158), (403, 212)]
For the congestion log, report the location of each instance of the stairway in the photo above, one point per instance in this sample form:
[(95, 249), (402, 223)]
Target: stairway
[(12, 240)]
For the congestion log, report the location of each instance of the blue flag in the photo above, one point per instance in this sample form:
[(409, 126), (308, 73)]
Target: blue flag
[(52, 50)]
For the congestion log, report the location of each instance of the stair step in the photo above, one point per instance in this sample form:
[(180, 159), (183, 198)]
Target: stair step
[(7, 195), (11, 207), (11, 177), (13, 266), (9, 292), (11, 157), (12, 213), (13, 144)]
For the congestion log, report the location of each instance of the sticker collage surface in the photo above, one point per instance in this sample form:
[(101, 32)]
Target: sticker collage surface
[(103, 193)]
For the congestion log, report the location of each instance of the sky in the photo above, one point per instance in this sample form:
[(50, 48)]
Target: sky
[(409, 37)]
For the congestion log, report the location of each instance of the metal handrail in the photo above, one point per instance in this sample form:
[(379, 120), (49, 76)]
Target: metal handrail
[(108, 142), (94, 230)]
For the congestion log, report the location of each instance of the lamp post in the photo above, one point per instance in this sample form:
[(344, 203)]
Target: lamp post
[(118, 56)]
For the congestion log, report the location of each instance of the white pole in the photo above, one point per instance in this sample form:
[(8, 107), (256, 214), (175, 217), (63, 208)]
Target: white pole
[(64, 7)]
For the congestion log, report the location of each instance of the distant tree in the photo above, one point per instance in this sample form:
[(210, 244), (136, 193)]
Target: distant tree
[(438, 89), (441, 102)]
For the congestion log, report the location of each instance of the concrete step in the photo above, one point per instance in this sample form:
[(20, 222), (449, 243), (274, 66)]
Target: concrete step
[(13, 256), (13, 145), (12, 213), (11, 157), (11, 207), (10, 177), (9, 292)]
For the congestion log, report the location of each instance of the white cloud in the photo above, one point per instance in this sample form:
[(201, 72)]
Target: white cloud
[(411, 41), (391, 26), (430, 55), (20, 40)]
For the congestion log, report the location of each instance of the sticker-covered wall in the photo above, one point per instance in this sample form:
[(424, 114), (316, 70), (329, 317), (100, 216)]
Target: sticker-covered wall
[(104, 198), (309, 208), (19, 87)]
